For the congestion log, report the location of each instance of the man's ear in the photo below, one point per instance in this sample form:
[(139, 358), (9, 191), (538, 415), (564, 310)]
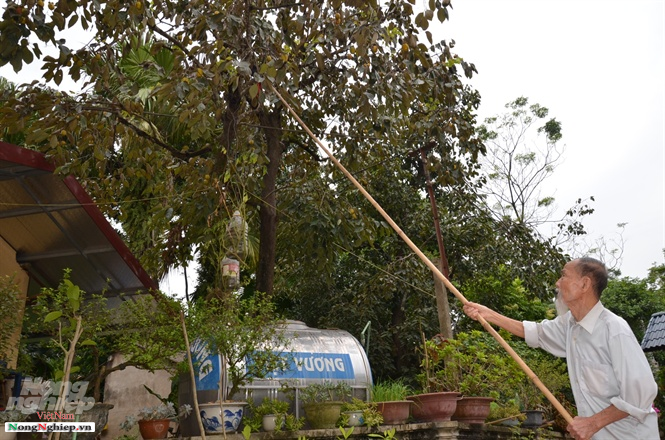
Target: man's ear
[(586, 283)]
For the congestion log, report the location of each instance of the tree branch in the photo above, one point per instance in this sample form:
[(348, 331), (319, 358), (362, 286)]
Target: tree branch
[(169, 148), (307, 149), (269, 8)]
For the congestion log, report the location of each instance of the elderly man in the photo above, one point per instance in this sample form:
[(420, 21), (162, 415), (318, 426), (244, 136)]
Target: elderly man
[(609, 373)]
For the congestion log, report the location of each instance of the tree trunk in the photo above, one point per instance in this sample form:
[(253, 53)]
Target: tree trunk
[(442, 304), (229, 133), (397, 320), (272, 130)]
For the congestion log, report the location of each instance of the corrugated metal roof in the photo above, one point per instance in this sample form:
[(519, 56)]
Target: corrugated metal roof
[(654, 337), (53, 224)]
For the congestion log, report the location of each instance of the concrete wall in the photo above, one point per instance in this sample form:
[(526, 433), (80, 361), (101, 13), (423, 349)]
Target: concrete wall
[(124, 389), (9, 266), (409, 431)]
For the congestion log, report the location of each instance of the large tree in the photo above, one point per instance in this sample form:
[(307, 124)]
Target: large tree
[(176, 129), (523, 151)]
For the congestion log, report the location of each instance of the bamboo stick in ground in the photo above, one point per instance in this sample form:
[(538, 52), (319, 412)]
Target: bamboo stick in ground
[(191, 375)]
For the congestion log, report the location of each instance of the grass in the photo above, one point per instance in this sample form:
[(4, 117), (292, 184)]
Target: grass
[(390, 390)]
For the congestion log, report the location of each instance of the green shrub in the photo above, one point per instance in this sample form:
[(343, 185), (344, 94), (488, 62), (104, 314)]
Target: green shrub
[(326, 392), (472, 364), (267, 406), (371, 414), (390, 391)]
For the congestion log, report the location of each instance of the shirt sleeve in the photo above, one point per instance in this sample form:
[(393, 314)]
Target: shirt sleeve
[(550, 335), (632, 370)]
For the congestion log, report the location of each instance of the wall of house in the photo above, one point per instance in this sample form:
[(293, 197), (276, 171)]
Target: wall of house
[(125, 390), (9, 266)]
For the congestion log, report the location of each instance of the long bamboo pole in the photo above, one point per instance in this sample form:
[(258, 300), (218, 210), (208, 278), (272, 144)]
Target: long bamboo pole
[(190, 365), (486, 325)]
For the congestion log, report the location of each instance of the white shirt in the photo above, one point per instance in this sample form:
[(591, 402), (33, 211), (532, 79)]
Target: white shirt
[(606, 366)]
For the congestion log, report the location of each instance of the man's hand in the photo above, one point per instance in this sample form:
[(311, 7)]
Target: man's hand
[(582, 428), (474, 310)]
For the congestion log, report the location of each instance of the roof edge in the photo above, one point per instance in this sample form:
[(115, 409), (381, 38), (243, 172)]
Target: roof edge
[(36, 159), (24, 156), (105, 227)]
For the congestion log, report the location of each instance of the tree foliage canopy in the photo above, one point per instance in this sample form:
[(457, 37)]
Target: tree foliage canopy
[(176, 129)]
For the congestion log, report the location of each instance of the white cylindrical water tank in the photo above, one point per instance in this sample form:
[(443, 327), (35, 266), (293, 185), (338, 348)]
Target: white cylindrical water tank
[(316, 356)]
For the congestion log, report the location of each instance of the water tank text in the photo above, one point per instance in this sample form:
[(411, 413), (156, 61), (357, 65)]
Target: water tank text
[(306, 365)]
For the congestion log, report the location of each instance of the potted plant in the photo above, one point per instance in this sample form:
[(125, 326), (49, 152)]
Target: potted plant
[(62, 313), (154, 342), (247, 334), (84, 332), (506, 413), (434, 404), (154, 421), (272, 415), (323, 402), (358, 412), (552, 371), (391, 402), (473, 365)]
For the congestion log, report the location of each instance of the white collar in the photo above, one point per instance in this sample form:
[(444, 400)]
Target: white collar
[(590, 319)]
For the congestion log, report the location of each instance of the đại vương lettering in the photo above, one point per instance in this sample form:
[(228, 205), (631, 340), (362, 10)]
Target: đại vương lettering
[(320, 363)]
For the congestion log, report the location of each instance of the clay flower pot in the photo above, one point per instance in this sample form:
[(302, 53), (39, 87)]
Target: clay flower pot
[(154, 429), (434, 407), (322, 415), (395, 412), (472, 409)]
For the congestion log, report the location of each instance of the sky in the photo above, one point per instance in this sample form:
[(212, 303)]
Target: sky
[(599, 66)]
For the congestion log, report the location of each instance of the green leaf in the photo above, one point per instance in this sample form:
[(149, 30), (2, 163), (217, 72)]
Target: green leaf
[(88, 342), (27, 55), (58, 77), (74, 296), (58, 19), (73, 20), (16, 63), (253, 90), (59, 374), (53, 316)]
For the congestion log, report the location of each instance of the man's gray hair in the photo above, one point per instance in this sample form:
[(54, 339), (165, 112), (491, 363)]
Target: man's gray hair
[(594, 269)]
